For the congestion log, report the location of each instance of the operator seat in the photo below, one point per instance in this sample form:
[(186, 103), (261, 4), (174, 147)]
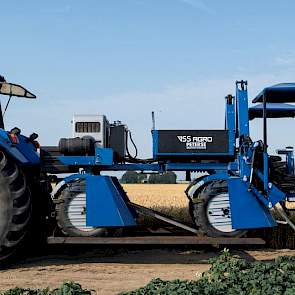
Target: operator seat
[(279, 175)]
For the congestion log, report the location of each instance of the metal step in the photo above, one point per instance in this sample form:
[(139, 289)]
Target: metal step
[(155, 240)]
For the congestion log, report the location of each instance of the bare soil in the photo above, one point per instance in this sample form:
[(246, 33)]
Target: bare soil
[(112, 271)]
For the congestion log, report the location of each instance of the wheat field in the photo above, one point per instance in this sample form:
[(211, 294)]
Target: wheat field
[(169, 199)]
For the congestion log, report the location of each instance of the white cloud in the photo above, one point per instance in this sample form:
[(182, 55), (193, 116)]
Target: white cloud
[(285, 60), (62, 9), (198, 4)]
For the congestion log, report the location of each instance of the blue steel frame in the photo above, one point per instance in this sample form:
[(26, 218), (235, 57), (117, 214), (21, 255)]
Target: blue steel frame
[(238, 173), (242, 131), (237, 123), (271, 194)]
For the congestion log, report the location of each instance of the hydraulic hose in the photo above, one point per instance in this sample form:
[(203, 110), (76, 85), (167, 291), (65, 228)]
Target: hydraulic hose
[(133, 159)]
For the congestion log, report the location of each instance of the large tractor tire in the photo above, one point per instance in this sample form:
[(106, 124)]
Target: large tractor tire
[(211, 211), (15, 207), (71, 213)]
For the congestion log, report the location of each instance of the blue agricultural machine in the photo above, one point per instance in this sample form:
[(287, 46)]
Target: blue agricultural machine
[(243, 187)]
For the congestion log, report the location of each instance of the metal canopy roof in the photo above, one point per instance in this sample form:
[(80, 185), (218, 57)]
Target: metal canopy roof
[(284, 92), (273, 110)]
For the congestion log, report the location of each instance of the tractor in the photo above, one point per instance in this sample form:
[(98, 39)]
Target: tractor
[(241, 188), (23, 207)]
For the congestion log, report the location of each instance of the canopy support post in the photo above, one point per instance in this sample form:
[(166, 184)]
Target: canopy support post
[(265, 155), (1, 118)]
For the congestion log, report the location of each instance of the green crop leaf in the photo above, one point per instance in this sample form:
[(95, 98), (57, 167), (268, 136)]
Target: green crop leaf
[(232, 275), (67, 288)]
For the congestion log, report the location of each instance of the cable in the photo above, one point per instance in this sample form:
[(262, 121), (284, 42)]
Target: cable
[(127, 149), (134, 145), (140, 161), (133, 159)]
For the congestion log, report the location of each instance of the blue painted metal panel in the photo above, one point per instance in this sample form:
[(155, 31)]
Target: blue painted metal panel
[(246, 210), (90, 161), (15, 153), (216, 176), (265, 170), (105, 206), (230, 124), (275, 194), (242, 132), (28, 150), (24, 152), (134, 167), (242, 111), (72, 177), (4, 138), (201, 166), (104, 156), (155, 136), (262, 198), (78, 160)]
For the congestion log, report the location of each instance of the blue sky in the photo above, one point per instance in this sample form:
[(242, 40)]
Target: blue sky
[(125, 58)]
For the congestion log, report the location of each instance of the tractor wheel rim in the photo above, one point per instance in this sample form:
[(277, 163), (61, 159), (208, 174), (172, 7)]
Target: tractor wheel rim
[(76, 213), (219, 214)]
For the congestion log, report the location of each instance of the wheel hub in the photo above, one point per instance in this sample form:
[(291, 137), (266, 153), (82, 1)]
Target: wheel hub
[(218, 213), (76, 212)]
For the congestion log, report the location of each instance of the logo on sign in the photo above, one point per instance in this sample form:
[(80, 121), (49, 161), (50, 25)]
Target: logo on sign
[(195, 142)]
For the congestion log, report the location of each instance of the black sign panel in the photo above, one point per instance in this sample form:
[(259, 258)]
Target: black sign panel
[(193, 141)]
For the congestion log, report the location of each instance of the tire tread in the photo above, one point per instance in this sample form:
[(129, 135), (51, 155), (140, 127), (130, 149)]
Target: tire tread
[(19, 194)]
